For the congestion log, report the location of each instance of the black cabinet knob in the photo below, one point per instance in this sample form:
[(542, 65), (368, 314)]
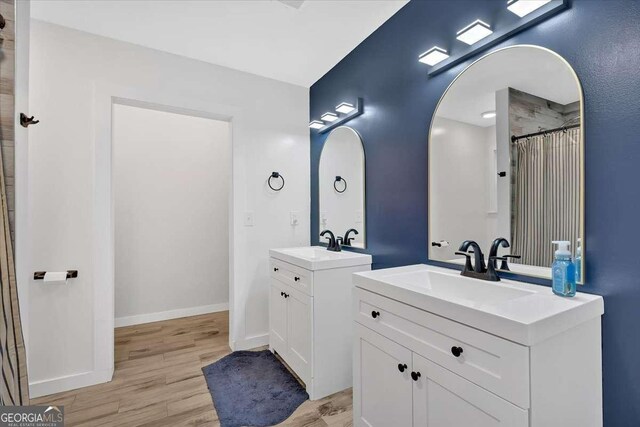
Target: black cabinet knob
[(402, 367), (456, 351), (415, 376), (296, 278), (375, 314), (286, 295), (281, 294), (275, 268)]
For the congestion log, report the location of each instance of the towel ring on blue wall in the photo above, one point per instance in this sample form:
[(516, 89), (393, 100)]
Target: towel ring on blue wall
[(338, 179), (275, 175)]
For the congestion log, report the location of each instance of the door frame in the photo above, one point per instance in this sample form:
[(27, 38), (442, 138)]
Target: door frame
[(103, 249)]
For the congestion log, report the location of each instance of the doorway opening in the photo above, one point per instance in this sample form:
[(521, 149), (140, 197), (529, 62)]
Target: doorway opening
[(171, 178)]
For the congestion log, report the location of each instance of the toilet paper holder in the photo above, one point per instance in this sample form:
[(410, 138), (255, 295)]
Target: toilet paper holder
[(39, 275)]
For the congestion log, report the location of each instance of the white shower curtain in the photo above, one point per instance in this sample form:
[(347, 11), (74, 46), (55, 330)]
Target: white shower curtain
[(546, 196)]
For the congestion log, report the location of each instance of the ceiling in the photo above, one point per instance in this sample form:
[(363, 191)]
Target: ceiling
[(535, 71), (289, 40)]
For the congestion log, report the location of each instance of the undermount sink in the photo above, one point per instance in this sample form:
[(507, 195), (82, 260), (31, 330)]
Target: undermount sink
[(518, 311), (319, 258)]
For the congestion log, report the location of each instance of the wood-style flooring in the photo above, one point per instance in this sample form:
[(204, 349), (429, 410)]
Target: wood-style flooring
[(158, 381)]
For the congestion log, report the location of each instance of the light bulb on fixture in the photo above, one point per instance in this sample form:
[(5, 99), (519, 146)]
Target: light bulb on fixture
[(329, 117), (344, 108), (474, 32), (525, 7), (488, 114), (433, 56), (315, 124)]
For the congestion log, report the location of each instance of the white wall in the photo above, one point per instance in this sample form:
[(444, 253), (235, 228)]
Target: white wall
[(503, 145), (459, 162), (342, 155), (71, 73), (171, 189)]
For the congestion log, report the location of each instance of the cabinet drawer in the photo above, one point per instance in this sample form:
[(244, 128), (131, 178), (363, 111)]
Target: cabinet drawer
[(493, 363), (296, 277)]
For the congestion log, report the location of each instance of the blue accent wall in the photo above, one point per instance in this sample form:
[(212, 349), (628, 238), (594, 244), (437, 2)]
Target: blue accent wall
[(601, 40)]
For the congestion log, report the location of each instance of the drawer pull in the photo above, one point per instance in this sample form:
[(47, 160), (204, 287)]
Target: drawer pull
[(456, 351), (415, 376), (375, 314), (402, 367), (286, 295), (281, 294), (296, 278), (275, 269)]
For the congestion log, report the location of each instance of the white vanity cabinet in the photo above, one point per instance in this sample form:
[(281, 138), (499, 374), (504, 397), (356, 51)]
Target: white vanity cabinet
[(310, 319), (473, 353)]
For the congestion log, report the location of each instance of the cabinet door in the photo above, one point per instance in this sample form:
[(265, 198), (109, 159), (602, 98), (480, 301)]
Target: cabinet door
[(277, 318), (444, 399), (381, 393), (299, 333)]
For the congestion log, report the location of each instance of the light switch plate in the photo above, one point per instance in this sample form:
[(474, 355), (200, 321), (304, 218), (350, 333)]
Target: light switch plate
[(248, 219)]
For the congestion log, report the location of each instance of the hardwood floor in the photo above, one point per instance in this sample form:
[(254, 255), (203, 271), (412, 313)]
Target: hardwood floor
[(158, 381)]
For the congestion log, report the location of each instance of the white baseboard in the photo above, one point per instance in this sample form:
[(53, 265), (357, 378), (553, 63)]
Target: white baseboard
[(170, 314), (251, 342), (69, 382)]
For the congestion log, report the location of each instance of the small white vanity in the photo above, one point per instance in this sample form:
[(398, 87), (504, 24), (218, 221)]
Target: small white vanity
[(433, 348), (310, 314)]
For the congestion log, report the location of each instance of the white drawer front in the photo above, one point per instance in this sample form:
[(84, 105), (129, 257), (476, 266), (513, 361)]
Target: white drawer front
[(298, 278), (493, 363)]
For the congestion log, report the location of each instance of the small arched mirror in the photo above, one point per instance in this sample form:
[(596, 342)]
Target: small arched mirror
[(341, 179), (506, 159)]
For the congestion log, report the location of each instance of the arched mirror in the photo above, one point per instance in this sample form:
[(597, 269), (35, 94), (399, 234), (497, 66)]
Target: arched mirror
[(341, 180), (506, 159)]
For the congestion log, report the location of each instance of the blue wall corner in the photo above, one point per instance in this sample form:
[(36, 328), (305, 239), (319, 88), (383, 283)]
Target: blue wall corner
[(601, 40)]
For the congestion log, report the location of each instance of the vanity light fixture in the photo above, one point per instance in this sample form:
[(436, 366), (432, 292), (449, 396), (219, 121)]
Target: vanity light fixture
[(488, 114), (316, 124), (474, 32), (328, 117), (525, 7), (344, 108), (433, 56)]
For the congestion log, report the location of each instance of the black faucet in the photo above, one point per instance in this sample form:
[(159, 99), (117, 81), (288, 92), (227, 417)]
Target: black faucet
[(493, 252), (479, 269), (478, 265), (347, 240), (334, 243)]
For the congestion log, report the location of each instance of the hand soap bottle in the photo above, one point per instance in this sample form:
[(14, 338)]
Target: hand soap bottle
[(563, 271)]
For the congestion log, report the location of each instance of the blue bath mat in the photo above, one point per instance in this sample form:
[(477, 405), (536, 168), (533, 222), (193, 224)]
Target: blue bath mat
[(252, 388)]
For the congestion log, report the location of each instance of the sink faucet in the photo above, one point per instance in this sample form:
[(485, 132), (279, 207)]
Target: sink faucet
[(493, 252), (347, 240), (479, 269), (478, 265), (334, 243)]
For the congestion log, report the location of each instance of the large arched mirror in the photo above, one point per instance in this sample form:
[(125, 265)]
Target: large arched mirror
[(341, 179), (506, 159)]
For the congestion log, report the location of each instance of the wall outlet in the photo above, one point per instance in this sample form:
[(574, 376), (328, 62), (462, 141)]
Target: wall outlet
[(248, 219), (294, 218)]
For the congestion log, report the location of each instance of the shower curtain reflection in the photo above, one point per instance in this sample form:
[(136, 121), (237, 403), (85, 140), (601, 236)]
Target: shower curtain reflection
[(546, 194)]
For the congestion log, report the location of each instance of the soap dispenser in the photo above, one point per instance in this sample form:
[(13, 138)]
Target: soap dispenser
[(563, 271)]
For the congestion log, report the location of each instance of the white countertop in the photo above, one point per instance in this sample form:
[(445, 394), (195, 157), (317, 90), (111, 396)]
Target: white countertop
[(518, 311), (319, 258)]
